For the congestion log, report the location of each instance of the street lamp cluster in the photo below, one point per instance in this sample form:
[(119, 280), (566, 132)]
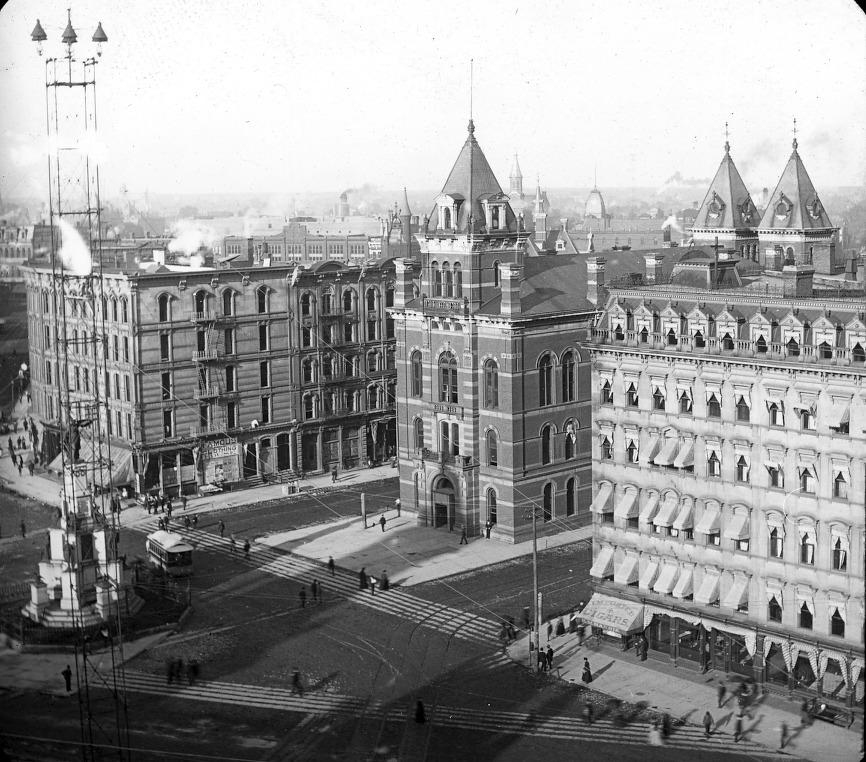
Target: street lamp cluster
[(69, 37)]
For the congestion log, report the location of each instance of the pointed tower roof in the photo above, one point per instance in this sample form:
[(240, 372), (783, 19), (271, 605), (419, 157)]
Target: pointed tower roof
[(539, 198), (516, 174), (406, 211), (472, 178), (794, 204), (727, 204)]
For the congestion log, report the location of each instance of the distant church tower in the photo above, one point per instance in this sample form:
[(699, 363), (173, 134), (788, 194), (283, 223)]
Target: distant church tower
[(515, 190), (539, 215)]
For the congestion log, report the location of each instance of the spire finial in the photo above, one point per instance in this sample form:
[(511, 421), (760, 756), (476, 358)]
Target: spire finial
[(471, 127), (795, 133), (727, 144), (595, 175)]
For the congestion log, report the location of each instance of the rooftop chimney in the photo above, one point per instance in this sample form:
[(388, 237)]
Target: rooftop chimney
[(596, 292), (653, 267), (510, 278), (405, 290)]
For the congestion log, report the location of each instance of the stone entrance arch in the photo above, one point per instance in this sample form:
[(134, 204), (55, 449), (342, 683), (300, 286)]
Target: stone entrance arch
[(443, 503)]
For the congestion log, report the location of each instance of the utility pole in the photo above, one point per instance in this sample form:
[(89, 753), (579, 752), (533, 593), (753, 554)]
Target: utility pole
[(536, 596)]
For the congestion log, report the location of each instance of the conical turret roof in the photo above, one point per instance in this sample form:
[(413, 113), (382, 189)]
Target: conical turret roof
[(794, 204), (406, 211), (727, 204), (516, 174)]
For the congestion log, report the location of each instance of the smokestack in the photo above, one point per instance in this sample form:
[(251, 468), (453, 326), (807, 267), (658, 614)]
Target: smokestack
[(653, 267), (765, 197)]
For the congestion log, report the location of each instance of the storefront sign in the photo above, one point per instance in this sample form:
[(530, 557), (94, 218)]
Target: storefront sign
[(221, 461)]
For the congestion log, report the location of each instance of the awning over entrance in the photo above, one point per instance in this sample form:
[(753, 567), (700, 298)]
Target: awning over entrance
[(627, 572), (614, 614), (602, 501), (627, 507), (114, 471), (603, 566)]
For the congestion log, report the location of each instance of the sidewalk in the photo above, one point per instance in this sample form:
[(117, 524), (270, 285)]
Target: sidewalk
[(689, 697)]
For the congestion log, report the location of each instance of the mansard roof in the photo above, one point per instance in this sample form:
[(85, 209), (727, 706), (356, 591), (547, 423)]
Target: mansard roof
[(794, 204), (727, 204)]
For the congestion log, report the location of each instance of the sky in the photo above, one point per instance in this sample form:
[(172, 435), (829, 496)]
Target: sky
[(198, 96)]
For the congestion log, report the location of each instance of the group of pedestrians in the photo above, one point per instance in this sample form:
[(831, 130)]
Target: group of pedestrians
[(174, 670), (318, 591), (369, 582)]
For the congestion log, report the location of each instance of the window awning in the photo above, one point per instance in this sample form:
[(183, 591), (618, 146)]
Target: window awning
[(709, 523), (709, 590), (666, 514), (628, 572), (685, 457), (628, 507), (602, 501), (667, 453), (684, 517), (647, 452), (684, 583), (649, 509), (738, 529), (738, 594), (614, 614), (102, 471), (603, 564), (839, 413), (665, 583), (649, 575)]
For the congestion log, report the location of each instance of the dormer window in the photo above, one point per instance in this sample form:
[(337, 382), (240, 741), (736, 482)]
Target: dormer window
[(495, 218)]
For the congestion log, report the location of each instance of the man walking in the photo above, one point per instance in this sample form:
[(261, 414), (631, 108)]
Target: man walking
[(372, 585), (314, 587), (331, 565), (721, 694), (222, 528), (333, 474), (247, 549), (23, 529), (183, 501), (67, 676), (303, 597), (487, 527), (386, 583), (397, 506), (297, 685), (463, 540), (708, 724), (549, 658), (382, 522), (232, 544), (362, 578), (738, 728), (783, 730)]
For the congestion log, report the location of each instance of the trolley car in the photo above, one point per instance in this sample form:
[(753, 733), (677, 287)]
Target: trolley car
[(170, 552)]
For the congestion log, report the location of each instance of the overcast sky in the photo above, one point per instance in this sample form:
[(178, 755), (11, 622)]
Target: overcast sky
[(280, 95)]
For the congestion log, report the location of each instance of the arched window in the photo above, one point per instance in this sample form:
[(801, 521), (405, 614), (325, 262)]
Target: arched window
[(546, 444), (262, 299), (491, 506), (372, 397), (805, 617), (825, 350), (436, 277), (448, 280), (727, 341), (458, 281), (492, 449), (114, 309), (417, 374), (858, 354), (228, 302), (547, 505), (327, 301), (164, 303), (618, 332), (446, 218), (124, 310), (774, 610), (419, 434), (447, 377), (807, 545), (644, 336), (371, 299), (777, 543), (348, 300), (496, 273), (545, 381), (568, 377), (569, 497), (837, 622), (570, 436), (389, 295), (491, 384), (306, 304), (672, 338)]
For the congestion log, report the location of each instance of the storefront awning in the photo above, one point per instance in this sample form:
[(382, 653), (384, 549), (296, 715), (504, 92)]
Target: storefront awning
[(613, 614), (738, 529), (667, 453), (649, 575), (649, 509), (602, 501), (709, 590), (839, 413), (103, 471), (738, 594), (627, 572), (685, 457), (628, 507), (709, 523), (684, 583), (666, 515), (684, 517), (603, 565), (665, 583)]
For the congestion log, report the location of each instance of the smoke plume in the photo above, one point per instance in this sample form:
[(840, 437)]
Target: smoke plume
[(74, 251), (188, 237), (672, 223)]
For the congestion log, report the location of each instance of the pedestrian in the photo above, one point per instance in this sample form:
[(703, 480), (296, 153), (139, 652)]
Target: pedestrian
[(560, 627), (169, 506), (333, 474), (783, 734), (232, 544), (169, 671), (222, 528), (362, 578), (386, 583), (23, 529), (572, 623), (708, 724), (463, 540), (331, 565), (588, 712), (541, 659), (382, 522), (303, 597), (397, 506), (30, 467), (666, 725), (420, 714), (738, 728), (67, 676), (581, 631), (194, 520), (178, 669), (587, 673), (314, 588), (162, 502), (654, 737), (247, 549), (183, 501), (373, 585), (186, 522), (20, 465), (549, 631), (721, 694), (160, 524), (549, 658), (297, 685)]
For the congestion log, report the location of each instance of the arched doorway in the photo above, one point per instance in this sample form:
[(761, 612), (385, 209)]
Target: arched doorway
[(283, 460), (443, 503)]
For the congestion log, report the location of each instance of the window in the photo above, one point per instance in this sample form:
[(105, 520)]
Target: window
[(166, 386), (496, 273), (568, 377), (306, 304), (714, 407), (389, 327), (727, 342), (117, 386), (777, 543), (168, 423), (448, 378), (115, 348), (774, 610), (309, 407), (262, 300), (545, 381), (264, 374), (840, 553), (372, 397), (714, 465), (685, 398), (371, 299), (606, 394), (546, 444), (658, 399), (761, 345), (793, 348), (228, 302), (492, 449), (699, 340), (742, 409), (742, 469), (837, 623), (458, 281), (643, 335), (807, 480), (618, 332), (327, 301), (777, 414), (266, 410), (327, 366), (713, 538), (840, 486), (164, 347), (449, 438), (547, 508), (164, 303), (124, 310), (631, 451), (230, 378), (348, 300), (491, 506), (229, 341), (631, 396), (570, 438), (807, 547), (348, 366), (126, 349), (263, 337), (606, 448), (777, 476), (569, 497), (672, 338), (306, 336), (389, 295), (805, 617), (86, 378), (491, 385), (419, 434), (417, 375)]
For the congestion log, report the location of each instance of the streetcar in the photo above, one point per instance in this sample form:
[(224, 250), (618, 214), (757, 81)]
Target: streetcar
[(170, 552)]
